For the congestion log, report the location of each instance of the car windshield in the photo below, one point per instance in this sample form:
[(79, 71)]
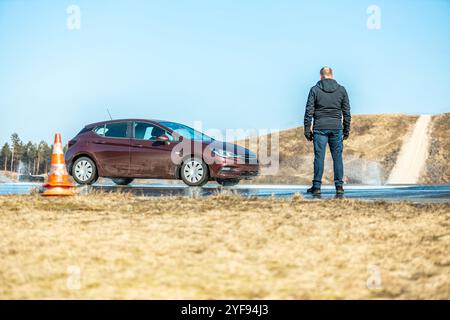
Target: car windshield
[(186, 131)]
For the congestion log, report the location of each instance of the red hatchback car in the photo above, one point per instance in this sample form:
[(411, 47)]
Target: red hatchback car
[(136, 148)]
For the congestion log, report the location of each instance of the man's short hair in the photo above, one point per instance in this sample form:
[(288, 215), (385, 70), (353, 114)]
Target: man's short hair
[(326, 71)]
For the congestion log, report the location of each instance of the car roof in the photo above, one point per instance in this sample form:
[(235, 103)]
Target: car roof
[(95, 124)]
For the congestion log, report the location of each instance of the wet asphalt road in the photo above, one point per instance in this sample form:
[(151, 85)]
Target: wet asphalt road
[(415, 193)]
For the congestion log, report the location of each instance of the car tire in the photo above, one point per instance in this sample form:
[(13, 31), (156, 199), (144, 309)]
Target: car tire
[(228, 182), (194, 172), (122, 181), (84, 171)]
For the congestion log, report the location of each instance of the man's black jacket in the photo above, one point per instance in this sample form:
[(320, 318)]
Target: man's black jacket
[(328, 104)]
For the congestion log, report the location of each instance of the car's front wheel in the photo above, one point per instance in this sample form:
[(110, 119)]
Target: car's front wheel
[(194, 172), (84, 171), (122, 181), (227, 182)]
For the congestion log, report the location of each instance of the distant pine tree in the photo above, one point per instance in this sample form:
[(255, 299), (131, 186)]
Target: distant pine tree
[(5, 155)]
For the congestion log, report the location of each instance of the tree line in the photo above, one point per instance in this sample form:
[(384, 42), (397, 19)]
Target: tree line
[(34, 157)]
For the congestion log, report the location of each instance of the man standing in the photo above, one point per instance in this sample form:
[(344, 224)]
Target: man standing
[(328, 105)]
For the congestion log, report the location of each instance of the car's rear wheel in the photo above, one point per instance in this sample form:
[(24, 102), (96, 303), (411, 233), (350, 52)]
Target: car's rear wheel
[(227, 182), (194, 172), (84, 171), (122, 181)]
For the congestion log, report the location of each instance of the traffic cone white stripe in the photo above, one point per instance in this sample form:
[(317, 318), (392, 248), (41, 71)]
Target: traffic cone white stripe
[(58, 169), (57, 148)]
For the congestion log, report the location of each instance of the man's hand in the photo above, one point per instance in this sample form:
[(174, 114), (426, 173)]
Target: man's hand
[(346, 135), (309, 135)]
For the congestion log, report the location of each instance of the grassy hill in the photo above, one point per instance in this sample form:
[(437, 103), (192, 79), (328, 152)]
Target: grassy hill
[(369, 154), (438, 163)]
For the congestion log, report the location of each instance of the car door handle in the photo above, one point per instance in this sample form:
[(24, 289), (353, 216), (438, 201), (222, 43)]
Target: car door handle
[(138, 145), (99, 142)]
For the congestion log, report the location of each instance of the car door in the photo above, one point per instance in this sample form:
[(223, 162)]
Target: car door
[(112, 148), (151, 158)]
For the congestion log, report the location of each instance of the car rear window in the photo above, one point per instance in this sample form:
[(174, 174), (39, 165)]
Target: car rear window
[(113, 130)]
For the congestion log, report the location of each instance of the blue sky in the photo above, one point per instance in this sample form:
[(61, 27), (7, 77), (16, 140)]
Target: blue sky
[(231, 64)]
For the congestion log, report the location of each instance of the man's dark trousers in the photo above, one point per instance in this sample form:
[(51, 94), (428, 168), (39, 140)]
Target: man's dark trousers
[(334, 138)]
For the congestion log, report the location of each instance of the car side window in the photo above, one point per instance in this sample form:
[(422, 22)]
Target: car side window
[(149, 131), (113, 130), (100, 130)]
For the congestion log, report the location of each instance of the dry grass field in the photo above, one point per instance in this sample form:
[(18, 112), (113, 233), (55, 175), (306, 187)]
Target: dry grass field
[(119, 246), (369, 154), (438, 163)]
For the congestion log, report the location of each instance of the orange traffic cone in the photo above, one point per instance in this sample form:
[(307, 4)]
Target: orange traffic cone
[(58, 180)]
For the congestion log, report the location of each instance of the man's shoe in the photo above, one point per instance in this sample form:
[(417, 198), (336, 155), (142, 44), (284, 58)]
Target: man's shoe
[(315, 191), (339, 190)]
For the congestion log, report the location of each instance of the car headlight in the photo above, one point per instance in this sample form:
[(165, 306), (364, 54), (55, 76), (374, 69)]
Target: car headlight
[(224, 153)]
